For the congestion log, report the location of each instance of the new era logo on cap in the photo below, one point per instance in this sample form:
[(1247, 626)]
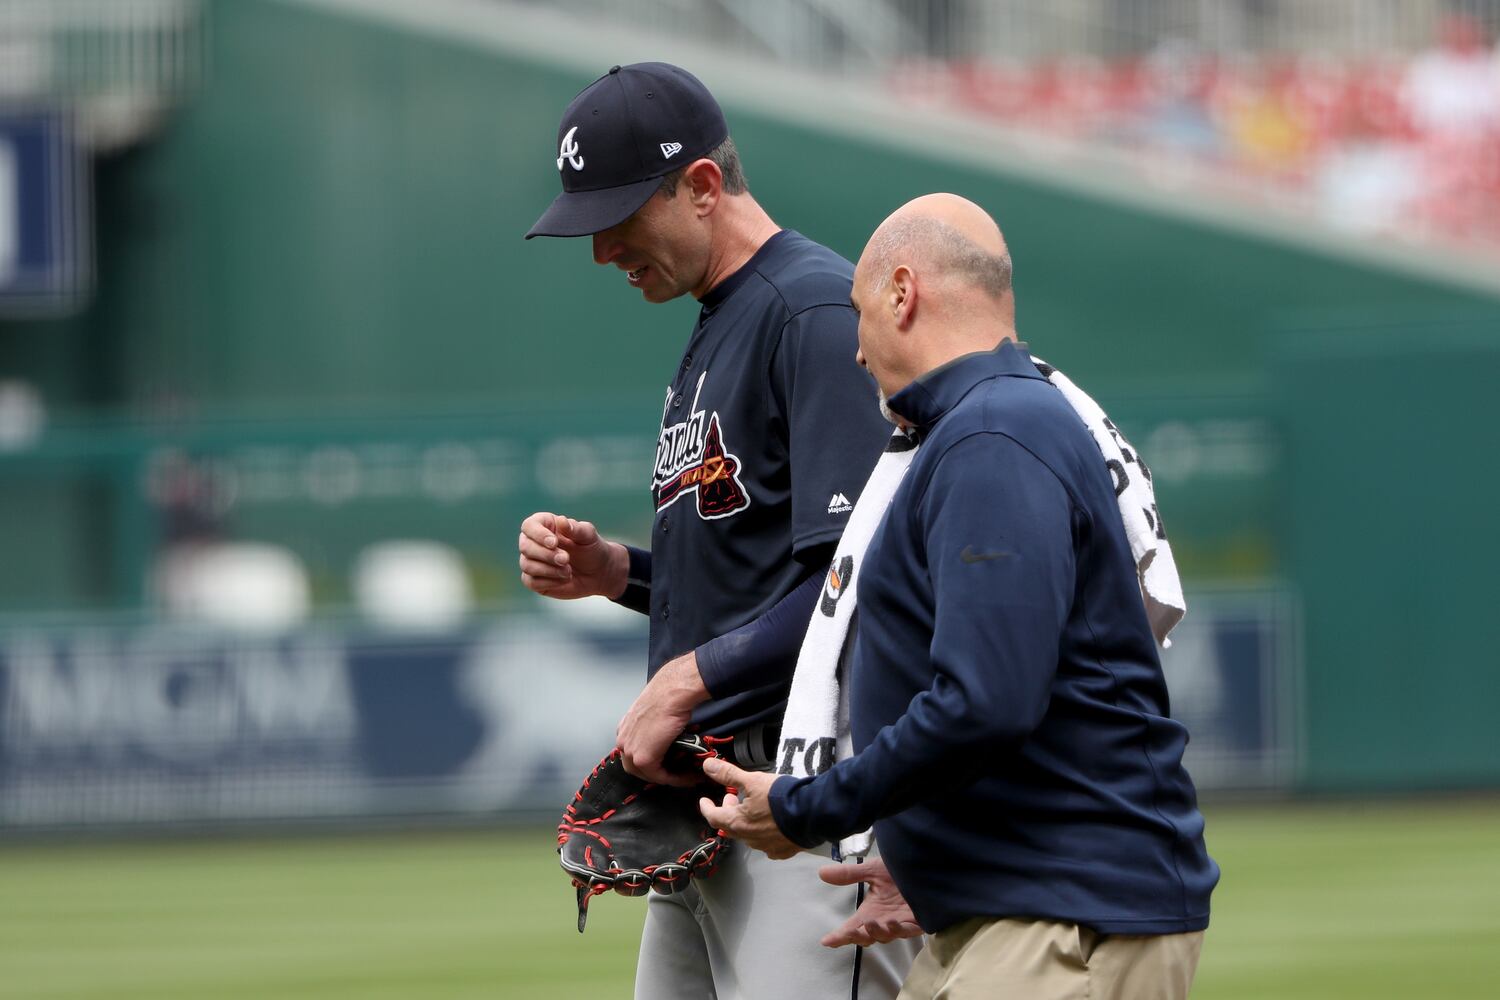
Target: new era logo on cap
[(670, 149)]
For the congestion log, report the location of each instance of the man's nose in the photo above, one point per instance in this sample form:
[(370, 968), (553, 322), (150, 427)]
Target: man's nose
[(606, 248)]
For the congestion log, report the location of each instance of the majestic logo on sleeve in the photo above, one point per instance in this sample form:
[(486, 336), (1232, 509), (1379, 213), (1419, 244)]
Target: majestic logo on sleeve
[(691, 457), (568, 151)]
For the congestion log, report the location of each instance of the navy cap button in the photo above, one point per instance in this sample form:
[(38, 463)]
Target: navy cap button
[(614, 69)]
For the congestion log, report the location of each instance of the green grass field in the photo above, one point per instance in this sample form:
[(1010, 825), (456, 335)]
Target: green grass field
[(1332, 901)]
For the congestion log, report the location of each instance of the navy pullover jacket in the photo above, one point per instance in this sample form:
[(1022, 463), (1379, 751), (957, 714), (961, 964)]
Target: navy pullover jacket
[(1013, 743)]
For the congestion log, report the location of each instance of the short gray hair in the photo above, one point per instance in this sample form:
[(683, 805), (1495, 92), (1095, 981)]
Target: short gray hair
[(728, 159), (950, 251)]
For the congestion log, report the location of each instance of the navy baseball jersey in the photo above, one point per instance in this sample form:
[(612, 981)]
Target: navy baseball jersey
[(769, 429)]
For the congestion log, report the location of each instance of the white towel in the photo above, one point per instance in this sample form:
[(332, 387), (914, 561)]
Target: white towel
[(815, 730), (1155, 568)]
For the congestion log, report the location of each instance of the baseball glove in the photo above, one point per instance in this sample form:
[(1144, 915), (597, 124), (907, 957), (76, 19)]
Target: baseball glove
[(630, 835)]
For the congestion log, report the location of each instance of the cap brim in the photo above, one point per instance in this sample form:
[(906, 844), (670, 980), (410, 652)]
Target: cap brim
[(584, 213)]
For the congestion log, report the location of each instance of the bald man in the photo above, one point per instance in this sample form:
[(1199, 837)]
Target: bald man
[(1014, 749)]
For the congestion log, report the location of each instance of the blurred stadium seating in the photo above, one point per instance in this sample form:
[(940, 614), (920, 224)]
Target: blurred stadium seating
[(1381, 119), (294, 330)]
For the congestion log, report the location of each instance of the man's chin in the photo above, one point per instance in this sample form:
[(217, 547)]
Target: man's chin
[(659, 295)]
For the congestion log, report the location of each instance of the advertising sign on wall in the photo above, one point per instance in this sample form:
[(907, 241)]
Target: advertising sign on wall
[(167, 725)]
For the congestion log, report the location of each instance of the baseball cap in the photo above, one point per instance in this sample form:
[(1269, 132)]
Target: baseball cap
[(619, 137)]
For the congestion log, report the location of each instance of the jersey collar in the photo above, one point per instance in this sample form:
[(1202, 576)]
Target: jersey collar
[(934, 394), (717, 294)]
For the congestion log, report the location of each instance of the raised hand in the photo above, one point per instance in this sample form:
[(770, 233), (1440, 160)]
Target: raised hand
[(567, 559)]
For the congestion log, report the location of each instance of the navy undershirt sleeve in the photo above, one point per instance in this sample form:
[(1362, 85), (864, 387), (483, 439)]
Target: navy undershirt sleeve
[(637, 595), (763, 651)]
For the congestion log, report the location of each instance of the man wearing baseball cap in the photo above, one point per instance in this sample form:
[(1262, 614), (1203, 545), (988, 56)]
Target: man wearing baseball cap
[(768, 431)]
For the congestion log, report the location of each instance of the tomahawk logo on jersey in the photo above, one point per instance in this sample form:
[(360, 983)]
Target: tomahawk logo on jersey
[(691, 458)]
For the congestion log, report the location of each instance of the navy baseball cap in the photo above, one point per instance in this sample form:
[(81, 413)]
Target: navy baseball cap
[(620, 136)]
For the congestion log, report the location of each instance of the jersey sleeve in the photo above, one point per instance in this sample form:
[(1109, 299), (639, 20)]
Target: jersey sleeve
[(997, 532), (834, 427)]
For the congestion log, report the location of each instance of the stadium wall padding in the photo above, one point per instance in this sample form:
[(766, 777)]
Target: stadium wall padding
[(1390, 487)]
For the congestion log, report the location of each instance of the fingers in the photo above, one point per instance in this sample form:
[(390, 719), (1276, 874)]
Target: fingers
[(720, 816), (545, 546), (883, 931), (842, 874), (642, 751), (883, 916), (542, 587), (541, 557), (539, 560), (724, 772), (557, 532), (541, 528), (852, 931), (858, 930)]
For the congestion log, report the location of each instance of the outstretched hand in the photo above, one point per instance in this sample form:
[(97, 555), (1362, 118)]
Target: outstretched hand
[(746, 813), (883, 916)]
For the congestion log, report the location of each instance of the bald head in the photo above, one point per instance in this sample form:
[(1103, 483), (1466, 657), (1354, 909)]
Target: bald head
[(945, 238), (933, 284)]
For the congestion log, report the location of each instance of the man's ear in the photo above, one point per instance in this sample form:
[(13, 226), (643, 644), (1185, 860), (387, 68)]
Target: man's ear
[(703, 182), (902, 296)]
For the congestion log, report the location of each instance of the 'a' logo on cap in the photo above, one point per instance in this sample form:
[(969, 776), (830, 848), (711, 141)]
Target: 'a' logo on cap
[(668, 149), (569, 151)]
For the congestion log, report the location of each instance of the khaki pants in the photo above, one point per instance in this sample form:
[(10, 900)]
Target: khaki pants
[(1046, 960)]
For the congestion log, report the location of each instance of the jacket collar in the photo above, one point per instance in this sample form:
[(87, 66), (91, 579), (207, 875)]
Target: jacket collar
[(929, 397)]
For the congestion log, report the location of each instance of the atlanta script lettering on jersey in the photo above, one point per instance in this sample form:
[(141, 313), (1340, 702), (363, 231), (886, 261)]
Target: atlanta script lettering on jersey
[(691, 458)]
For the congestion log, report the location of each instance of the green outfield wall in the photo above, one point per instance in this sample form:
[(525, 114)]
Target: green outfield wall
[(323, 250)]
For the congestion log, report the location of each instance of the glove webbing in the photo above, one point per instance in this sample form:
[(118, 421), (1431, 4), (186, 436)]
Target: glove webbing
[(701, 861)]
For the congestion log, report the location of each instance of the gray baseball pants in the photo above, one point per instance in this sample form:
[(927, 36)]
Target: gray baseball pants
[(751, 932)]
